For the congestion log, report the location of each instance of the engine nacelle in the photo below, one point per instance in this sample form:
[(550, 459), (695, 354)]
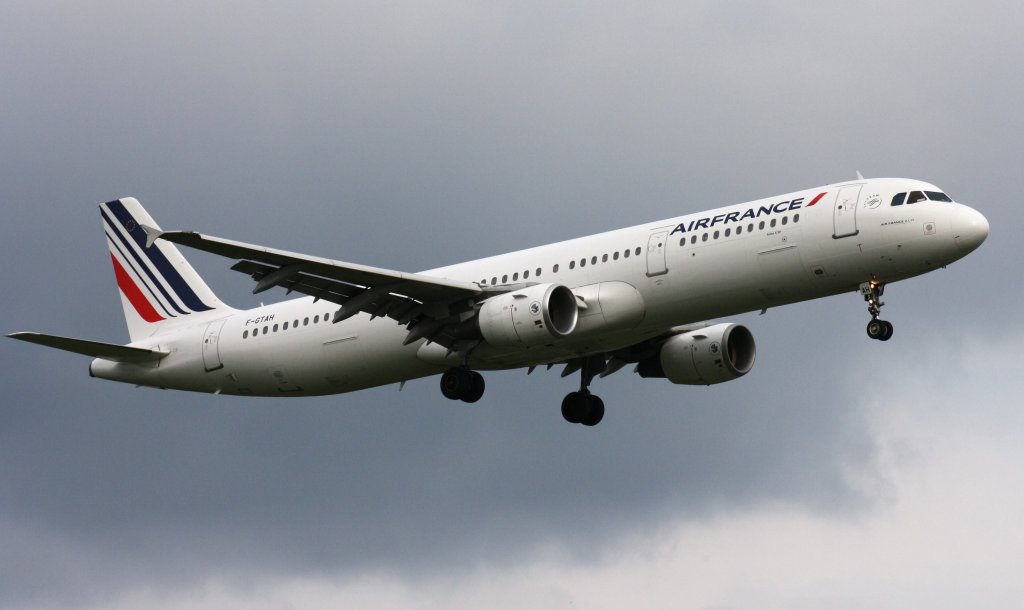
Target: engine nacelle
[(718, 353), (532, 316)]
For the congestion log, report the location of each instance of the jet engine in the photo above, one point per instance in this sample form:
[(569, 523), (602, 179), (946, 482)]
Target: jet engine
[(532, 316), (718, 353)]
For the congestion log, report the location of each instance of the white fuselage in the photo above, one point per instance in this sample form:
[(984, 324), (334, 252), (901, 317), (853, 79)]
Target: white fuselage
[(637, 283)]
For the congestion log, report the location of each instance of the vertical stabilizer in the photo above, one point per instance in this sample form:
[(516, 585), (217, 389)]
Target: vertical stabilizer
[(157, 285)]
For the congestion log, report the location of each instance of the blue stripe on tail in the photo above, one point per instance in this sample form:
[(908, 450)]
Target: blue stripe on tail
[(153, 281), (157, 258), (128, 262)]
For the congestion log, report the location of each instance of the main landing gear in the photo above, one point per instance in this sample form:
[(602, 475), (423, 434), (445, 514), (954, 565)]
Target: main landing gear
[(462, 384), (582, 407), (877, 329)]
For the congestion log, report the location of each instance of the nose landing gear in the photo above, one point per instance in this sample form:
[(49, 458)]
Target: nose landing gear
[(877, 329)]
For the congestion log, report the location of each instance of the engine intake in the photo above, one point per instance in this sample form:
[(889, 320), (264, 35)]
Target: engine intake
[(711, 355), (531, 316)]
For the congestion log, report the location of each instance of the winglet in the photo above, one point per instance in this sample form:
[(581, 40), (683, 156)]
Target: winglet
[(152, 234)]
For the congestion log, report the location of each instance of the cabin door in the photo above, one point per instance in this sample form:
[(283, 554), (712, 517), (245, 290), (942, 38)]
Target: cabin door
[(845, 217), (211, 346)]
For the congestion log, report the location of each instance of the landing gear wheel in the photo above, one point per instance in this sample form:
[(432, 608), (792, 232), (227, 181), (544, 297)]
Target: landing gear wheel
[(880, 330), (462, 384), (595, 412), (872, 292), (574, 407), (476, 388), (452, 383), (582, 408)]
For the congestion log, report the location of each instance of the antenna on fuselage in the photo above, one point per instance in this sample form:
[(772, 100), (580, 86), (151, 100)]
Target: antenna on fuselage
[(859, 176)]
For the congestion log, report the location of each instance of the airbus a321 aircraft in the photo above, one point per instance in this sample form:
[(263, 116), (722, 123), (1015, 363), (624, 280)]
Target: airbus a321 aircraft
[(637, 296)]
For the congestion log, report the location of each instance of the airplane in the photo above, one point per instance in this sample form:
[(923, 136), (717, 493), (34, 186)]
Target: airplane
[(640, 296)]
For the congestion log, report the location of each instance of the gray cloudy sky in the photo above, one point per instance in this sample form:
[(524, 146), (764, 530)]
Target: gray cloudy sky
[(841, 473)]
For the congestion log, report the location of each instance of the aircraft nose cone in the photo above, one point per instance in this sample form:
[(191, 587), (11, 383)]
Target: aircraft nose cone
[(970, 228)]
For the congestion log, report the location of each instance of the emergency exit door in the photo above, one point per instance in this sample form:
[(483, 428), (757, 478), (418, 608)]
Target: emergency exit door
[(656, 254)]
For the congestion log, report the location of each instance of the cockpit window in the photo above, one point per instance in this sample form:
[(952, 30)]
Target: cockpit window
[(915, 196), (899, 199), (936, 196)]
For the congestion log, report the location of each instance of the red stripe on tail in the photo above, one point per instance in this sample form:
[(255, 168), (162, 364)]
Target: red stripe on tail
[(131, 290)]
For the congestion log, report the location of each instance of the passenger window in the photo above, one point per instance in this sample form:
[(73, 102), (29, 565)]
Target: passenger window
[(245, 335), (704, 237), (760, 226), (504, 279), (772, 223), (626, 254), (739, 229), (785, 219), (915, 196), (255, 332), (936, 196), (728, 232), (796, 218), (554, 269), (899, 199), (615, 256), (538, 272), (316, 318), (295, 324), (526, 274), (693, 239), (716, 234), (572, 264), (593, 260), (515, 276), (750, 228), (637, 251), (275, 328), (604, 258), (305, 321), (266, 329), (494, 280), (285, 326), (583, 262)]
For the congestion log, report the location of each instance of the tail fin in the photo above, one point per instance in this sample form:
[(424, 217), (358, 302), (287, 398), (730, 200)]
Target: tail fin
[(158, 286)]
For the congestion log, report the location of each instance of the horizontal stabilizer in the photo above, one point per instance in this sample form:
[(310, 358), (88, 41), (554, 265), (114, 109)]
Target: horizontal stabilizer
[(106, 351)]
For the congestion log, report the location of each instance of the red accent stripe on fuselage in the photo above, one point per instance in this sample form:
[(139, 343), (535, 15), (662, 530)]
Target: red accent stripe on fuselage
[(816, 199), (135, 296)]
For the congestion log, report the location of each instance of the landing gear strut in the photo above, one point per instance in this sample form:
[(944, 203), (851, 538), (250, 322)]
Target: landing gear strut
[(877, 329), (582, 407), (462, 384)]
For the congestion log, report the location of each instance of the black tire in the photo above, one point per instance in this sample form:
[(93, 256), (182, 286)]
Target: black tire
[(475, 387), (876, 329), (887, 332), (595, 411), (453, 384), (573, 407)]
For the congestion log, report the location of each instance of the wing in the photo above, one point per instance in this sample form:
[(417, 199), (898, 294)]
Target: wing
[(96, 349), (427, 304)]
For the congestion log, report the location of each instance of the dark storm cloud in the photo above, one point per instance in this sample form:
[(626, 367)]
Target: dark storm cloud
[(411, 137)]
